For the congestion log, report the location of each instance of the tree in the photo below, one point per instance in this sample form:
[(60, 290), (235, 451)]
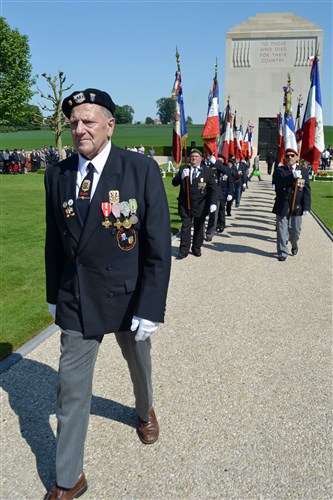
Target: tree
[(124, 114), (33, 117), (149, 121), (189, 120), (15, 75), (166, 107), (57, 120)]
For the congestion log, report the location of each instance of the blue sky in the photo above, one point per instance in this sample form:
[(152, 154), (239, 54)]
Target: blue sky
[(128, 47)]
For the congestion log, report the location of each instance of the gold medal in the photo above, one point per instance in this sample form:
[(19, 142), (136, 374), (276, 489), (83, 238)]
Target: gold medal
[(127, 223), (114, 196)]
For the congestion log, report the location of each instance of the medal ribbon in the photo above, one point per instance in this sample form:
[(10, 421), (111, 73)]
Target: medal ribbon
[(106, 208)]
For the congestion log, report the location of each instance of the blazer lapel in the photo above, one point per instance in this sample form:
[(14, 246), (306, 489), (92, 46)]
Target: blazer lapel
[(67, 194)]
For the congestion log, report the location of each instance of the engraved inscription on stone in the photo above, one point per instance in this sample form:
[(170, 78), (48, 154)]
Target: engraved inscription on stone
[(268, 53)]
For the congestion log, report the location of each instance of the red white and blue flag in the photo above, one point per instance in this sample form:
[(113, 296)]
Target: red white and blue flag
[(225, 134), (210, 133), (279, 122), (179, 127), (298, 126), (313, 130)]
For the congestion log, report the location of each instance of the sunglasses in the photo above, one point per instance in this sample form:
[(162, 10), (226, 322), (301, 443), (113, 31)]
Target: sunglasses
[(290, 156)]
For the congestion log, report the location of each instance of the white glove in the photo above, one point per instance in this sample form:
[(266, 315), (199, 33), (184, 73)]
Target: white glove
[(52, 309), (244, 185), (306, 212), (297, 174), (144, 327), (229, 197), (212, 159), (212, 208), (185, 173)]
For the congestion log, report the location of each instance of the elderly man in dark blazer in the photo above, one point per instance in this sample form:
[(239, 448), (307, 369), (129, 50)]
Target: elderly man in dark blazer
[(197, 198), (293, 200), (108, 255)]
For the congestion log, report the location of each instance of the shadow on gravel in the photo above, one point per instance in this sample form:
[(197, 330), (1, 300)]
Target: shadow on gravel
[(31, 388)]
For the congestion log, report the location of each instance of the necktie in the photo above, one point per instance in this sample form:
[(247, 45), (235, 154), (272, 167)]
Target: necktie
[(194, 173), (83, 199)]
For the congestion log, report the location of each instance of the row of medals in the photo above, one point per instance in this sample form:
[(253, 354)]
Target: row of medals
[(127, 209)]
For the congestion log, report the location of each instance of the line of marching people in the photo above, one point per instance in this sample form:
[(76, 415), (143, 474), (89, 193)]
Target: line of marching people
[(208, 185)]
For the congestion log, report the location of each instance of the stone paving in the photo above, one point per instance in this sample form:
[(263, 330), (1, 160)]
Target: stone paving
[(242, 373)]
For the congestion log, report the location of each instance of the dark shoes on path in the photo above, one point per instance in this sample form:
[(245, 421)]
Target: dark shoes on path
[(148, 431), (57, 493)]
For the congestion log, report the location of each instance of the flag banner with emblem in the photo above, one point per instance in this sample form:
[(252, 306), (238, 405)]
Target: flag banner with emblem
[(179, 127), (313, 130), (210, 133), (289, 136)]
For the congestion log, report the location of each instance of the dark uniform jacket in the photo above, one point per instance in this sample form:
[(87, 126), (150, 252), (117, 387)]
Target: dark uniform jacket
[(240, 174), (203, 190), (225, 181), (99, 279), (285, 187)]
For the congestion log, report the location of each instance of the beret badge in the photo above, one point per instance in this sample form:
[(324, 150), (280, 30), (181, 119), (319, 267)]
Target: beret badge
[(79, 98)]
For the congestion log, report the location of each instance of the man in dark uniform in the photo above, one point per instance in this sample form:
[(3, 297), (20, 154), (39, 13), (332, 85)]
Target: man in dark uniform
[(225, 191), (197, 197), (293, 199), (240, 169), (270, 161), (108, 257)]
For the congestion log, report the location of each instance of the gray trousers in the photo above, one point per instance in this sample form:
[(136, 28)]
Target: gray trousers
[(74, 392), (287, 229)]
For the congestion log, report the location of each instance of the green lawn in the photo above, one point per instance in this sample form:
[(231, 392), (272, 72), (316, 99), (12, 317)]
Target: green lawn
[(124, 135), (23, 309)]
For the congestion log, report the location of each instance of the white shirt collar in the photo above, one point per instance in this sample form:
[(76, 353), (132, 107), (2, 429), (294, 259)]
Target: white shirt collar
[(98, 162)]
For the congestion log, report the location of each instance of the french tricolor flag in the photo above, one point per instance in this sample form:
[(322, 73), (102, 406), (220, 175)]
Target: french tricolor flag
[(313, 130)]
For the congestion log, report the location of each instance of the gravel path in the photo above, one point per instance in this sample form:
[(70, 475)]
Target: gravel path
[(242, 380)]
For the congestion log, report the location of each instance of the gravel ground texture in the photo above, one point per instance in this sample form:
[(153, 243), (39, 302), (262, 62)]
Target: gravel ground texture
[(242, 371)]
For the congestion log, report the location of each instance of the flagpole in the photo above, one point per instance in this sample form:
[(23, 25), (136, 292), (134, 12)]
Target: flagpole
[(183, 145)]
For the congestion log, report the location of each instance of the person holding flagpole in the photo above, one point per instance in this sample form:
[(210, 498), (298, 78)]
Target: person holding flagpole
[(293, 199)]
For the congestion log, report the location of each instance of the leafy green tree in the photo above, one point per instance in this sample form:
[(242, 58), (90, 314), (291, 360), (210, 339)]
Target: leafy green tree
[(124, 114), (33, 117), (166, 107), (15, 75), (149, 121), (189, 120), (56, 120)]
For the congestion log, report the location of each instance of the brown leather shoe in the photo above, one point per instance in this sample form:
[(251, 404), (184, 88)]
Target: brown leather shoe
[(57, 493), (148, 431)]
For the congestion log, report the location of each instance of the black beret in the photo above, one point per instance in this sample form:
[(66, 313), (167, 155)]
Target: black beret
[(91, 96)]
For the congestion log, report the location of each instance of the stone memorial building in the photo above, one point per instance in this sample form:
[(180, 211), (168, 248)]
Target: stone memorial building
[(260, 54)]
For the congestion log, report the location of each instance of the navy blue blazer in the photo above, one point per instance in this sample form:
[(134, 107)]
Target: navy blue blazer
[(97, 284)]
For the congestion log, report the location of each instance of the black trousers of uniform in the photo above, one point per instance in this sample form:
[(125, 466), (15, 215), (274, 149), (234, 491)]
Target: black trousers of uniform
[(185, 234)]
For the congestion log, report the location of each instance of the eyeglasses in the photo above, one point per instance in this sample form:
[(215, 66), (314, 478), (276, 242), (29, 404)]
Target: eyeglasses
[(290, 156)]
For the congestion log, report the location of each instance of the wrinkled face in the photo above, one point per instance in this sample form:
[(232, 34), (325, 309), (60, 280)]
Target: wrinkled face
[(291, 158), (91, 129), (195, 159)]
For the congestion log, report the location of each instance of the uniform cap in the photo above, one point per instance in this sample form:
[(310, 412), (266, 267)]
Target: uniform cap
[(194, 150), (91, 96)]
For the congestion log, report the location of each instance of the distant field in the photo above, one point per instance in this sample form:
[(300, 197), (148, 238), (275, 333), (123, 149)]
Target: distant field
[(125, 135)]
